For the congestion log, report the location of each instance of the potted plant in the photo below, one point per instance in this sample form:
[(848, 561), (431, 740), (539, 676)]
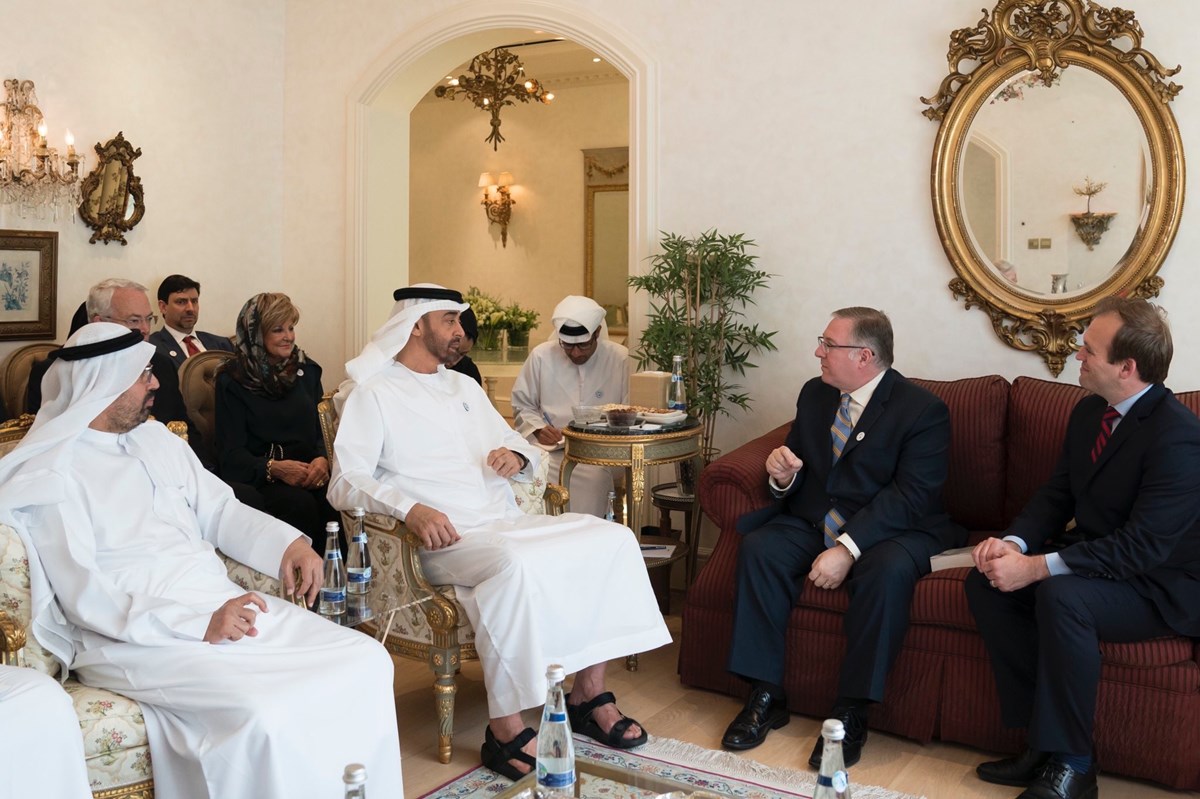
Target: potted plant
[(520, 322), (490, 315), (699, 289)]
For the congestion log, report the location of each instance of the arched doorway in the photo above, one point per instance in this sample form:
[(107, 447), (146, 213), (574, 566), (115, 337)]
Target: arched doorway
[(378, 138)]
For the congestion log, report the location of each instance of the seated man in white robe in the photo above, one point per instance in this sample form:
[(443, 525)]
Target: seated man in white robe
[(244, 695), (577, 366), (423, 444), (41, 746)]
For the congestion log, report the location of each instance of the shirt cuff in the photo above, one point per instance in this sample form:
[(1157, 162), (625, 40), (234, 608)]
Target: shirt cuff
[(778, 490), (1056, 565), (845, 540), (1020, 542)]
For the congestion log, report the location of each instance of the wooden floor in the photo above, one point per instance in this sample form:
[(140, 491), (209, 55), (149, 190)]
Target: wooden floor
[(655, 696)]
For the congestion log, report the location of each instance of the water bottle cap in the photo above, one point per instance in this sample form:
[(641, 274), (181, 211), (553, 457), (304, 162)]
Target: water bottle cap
[(556, 673), (358, 513), (833, 730), (331, 527), (355, 774)]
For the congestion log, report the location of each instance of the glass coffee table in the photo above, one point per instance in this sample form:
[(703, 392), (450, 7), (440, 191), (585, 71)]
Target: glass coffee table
[(596, 781)]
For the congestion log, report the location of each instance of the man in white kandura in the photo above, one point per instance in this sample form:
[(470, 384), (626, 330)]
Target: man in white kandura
[(244, 695), (41, 746), (424, 444), (577, 366)]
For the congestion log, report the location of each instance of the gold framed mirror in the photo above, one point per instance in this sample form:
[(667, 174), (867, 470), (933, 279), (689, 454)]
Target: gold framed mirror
[(112, 194), (606, 234), (1058, 169)]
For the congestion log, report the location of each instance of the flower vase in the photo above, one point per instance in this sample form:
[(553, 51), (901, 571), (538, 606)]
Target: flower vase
[(518, 339), (489, 339)]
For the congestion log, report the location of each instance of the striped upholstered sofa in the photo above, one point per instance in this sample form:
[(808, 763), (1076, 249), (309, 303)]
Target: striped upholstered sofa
[(1006, 440)]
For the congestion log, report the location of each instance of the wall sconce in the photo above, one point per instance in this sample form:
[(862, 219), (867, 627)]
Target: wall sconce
[(497, 203)]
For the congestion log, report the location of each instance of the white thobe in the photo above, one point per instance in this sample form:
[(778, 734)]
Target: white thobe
[(549, 386), (568, 589), (41, 746), (131, 561)]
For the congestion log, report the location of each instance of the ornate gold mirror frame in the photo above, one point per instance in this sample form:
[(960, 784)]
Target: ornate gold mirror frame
[(1045, 37), (606, 233), (112, 194)]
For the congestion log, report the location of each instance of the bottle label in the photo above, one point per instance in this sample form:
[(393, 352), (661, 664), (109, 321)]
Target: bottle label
[(552, 716), (556, 779), (841, 781), (360, 538), (333, 595), (333, 554), (359, 575)]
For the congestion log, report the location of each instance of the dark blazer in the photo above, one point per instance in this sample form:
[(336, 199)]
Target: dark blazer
[(169, 347), (888, 482), (249, 424), (1136, 509)]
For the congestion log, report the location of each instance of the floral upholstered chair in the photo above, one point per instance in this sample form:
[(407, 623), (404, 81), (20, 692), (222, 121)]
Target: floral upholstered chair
[(114, 732), (423, 621)]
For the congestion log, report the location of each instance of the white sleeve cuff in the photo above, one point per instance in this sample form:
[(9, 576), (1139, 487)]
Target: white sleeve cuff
[(845, 540)]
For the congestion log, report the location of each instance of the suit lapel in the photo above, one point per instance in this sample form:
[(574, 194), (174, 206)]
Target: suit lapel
[(822, 422), (871, 413), (1128, 425)]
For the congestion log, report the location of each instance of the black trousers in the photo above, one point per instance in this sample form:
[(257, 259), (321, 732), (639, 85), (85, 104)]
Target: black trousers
[(1044, 644), (773, 563)]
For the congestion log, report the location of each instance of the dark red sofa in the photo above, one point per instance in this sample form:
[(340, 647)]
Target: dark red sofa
[(1006, 440)]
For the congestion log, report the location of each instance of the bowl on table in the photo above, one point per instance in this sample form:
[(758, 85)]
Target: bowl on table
[(621, 417)]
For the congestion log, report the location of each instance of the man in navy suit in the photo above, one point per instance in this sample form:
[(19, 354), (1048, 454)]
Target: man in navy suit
[(179, 304), (1129, 475), (860, 488)]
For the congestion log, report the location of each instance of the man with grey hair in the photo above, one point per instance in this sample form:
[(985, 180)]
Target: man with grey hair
[(424, 445), (859, 484)]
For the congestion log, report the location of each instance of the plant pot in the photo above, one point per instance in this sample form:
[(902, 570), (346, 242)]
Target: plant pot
[(518, 339), (489, 339)]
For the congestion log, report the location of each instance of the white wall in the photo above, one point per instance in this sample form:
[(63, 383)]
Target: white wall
[(199, 88), (793, 121), (450, 240)]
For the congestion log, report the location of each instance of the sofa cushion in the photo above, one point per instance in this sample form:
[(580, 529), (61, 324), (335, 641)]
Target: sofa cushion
[(114, 736), (1038, 411), (15, 598), (974, 490)]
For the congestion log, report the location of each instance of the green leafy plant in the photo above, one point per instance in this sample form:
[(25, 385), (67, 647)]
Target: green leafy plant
[(699, 289), (494, 314)]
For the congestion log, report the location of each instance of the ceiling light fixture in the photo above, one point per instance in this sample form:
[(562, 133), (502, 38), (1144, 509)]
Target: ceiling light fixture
[(33, 176), (494, 79)]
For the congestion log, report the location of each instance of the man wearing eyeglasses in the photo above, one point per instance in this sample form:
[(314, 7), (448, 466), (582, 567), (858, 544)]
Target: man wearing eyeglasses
[(577, 366), (859, 484)]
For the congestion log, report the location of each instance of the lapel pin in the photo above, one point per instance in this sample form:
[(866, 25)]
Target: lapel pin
[(860, 436)]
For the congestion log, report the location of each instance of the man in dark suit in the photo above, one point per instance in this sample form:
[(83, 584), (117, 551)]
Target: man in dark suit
[(179, 304), (1129, 475), (859, 482)]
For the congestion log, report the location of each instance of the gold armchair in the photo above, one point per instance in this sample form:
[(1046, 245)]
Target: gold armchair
[(423, 621), (14, 375)]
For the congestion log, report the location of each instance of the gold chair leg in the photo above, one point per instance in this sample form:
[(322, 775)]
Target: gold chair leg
[(631, 662), (444, 689)]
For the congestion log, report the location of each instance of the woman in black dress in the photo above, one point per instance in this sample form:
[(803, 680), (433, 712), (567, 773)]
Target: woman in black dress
[(268, 433)]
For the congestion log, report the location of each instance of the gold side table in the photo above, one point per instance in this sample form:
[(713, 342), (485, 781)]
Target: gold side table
[(631, 449)]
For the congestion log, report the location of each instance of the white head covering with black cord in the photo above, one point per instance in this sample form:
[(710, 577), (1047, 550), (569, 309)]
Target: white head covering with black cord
[(95, 367), (576, 319)]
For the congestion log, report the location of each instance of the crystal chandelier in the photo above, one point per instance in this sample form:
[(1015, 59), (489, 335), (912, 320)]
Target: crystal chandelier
[(495, 79), (33, 176)]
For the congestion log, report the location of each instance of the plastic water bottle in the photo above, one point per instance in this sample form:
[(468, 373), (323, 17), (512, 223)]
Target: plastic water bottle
[(358, 566), (833, 782), (333, 589), (677, 394), (610, 513), (355, 778), (556, 748)]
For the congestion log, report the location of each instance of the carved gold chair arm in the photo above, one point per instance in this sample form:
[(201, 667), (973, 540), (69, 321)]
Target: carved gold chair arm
[(179, 428), (442, 614), (12, 636), (556, 497)]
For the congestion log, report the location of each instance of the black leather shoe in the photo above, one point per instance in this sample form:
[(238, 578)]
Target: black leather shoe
[(854, 719), (1058, 781), (1019, 771), (763, 712)]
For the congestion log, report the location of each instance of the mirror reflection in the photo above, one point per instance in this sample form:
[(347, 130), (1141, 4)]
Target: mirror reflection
[(1055, 181)]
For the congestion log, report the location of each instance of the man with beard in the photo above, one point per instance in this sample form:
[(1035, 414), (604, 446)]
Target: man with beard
[(423, 444), (120, 520), (179, 304)]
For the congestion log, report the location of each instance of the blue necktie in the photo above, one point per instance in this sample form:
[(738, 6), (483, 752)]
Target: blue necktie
[(839, 434)]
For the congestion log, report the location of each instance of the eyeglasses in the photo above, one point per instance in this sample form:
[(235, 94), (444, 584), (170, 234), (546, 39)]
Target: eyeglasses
[(135, 321), (587, 345), (827, 344), (147, 373)]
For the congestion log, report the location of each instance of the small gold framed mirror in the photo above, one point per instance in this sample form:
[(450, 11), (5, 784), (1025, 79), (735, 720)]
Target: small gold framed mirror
[(1058, 170), (112, 194)]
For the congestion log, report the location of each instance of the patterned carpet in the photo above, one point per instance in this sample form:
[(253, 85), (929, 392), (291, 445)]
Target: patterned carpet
[(712, 772)]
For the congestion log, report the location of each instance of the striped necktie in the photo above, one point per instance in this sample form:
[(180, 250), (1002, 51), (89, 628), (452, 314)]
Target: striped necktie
[(1106, 427), (839, 434)]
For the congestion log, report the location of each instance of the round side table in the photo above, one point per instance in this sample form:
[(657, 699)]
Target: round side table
[(668, 497)]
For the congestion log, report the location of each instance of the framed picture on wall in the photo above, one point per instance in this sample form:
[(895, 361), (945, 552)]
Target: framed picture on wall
[(28, 284)]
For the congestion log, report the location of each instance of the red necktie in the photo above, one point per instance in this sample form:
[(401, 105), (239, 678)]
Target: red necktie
[(189, 341), (1106, 427)]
